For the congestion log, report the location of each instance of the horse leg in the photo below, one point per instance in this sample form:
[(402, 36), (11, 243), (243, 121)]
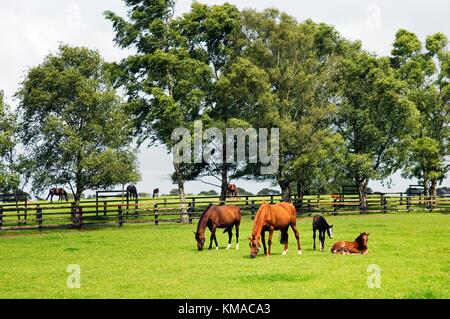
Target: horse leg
[(270, 240), (322, 242), (263, 239), (314, 238), (297, 236), (230, 237), (237, 236), (210, 238), (285, 238), (215, 239)]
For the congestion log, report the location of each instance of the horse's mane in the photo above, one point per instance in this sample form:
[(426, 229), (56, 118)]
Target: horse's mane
[(202, 217), (263, 210)]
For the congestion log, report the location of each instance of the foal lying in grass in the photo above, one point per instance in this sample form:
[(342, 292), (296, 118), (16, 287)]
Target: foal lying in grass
[(359, 246)]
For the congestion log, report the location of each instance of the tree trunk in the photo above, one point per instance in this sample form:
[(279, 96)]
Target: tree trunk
[(300, 190), (183, 204), (362, 184), (433, 192), (285, 190), (224, 186)]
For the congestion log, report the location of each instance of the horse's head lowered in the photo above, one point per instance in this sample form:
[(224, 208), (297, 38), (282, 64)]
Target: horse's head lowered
[(200, 238), (362, 240), (330, 232), (254, 246)]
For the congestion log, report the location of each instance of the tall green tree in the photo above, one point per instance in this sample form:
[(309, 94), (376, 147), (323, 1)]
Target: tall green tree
[(73, 124), (299, 60), (164, 84), (9, 175), (426, 69), (213, 34), (375, 117)]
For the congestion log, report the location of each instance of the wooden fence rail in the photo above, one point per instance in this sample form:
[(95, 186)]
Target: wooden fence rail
[(28, 215)]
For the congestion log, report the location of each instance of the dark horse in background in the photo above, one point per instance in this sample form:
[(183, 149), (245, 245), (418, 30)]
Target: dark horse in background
[(269, 218), (132, 192), (232, 190), (319, 223), (57, 192), (156, 192), (227, 216)]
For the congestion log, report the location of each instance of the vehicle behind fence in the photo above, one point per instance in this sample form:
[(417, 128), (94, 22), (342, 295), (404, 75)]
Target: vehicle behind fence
[(116, 211)]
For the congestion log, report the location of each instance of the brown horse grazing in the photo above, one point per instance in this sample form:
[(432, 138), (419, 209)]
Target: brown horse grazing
[(359, 246), (215, 217), (57, 192), (232, 190), (273, 217), (156, 192)]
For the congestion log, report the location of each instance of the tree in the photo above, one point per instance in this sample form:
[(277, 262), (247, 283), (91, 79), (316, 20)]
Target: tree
[(299, 61), (164, 84), (208, 193), (73, 124), (268, 191), (427, 73), (375, 118), (9, 175), (174, 192)]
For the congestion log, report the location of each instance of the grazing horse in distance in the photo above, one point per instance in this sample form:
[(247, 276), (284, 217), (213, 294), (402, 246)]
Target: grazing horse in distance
[(359, 246), (270, 218), (132, 192), (156, 192), (319, 223), (232, 190), (226, 216), (57, 192)]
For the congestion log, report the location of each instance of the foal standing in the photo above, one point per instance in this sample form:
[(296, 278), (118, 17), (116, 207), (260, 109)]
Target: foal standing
[(319, 223)]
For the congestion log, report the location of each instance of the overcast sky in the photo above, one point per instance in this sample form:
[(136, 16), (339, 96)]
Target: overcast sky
[(29, 30)]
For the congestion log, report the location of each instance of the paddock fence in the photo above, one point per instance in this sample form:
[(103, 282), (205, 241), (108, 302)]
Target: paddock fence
[(116, 211)]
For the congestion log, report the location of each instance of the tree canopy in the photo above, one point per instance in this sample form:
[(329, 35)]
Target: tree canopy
[(73, 124)]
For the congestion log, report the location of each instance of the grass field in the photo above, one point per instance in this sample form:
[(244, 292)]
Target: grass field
[(143, 261)]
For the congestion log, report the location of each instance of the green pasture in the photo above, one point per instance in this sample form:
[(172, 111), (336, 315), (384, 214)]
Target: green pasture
[(144, 261)]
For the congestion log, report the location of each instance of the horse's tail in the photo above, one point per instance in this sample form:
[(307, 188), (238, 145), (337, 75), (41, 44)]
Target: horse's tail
[(49, 193)]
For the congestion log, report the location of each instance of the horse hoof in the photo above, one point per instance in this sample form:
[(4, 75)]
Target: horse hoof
[(284, 253), (299, 252), (217, 248), (237, 247), (228, 247)]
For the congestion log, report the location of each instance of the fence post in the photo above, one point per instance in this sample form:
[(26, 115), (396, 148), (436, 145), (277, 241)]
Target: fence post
[(105, 208), (120, 216), (253, 209), (26, 210), (246, 201), (96, 203), (401, 199), (80, 217), (384, 204), (155, 211), (309, 207), (190, 212), (408, 203), (1, 216), (271, 199), (335, 206), (39, 216)]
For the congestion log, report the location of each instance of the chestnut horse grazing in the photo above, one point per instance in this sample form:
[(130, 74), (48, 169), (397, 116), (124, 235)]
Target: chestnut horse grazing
[(57, 192), (232, 190), (273, 217), (359, 246), (214, 217)]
